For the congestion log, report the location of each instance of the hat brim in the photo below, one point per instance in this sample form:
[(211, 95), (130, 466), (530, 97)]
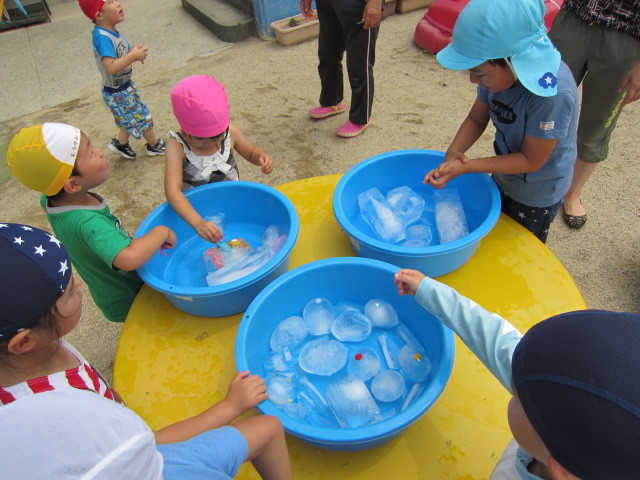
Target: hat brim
[(452, 59), (537, 67)]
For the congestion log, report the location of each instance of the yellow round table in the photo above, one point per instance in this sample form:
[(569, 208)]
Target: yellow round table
[(171, 365)]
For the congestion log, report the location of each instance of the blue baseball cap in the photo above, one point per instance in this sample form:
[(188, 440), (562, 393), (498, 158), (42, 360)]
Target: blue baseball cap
[(35, 272), (514, 29)]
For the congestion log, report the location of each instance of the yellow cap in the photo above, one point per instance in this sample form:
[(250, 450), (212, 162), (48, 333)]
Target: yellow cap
[(42, 157)]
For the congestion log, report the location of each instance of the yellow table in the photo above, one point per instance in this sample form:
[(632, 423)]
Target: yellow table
[(171, 365)]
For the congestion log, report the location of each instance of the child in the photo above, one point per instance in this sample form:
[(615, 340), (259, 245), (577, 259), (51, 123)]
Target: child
[(575, 410), (60, 162), (202, 151), (42, 301), (114, 57), (531, 98)]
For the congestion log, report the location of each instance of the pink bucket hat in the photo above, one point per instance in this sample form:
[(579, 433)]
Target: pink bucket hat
[(201, 106)]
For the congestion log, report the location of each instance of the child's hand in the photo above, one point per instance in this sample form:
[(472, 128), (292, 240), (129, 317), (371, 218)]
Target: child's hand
[(408, 281), (209, 231), (139, 53), (171, 240), (266, 163), (246, 391), (452, 167)]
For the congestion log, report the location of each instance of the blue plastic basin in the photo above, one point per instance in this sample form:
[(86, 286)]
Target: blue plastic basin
[(478, 193), (181, 275), (343, 279)]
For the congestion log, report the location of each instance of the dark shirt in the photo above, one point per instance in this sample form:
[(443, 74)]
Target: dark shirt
[(621, 15)]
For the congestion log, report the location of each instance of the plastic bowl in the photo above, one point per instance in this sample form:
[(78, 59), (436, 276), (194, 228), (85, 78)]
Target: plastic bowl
[(180, 273), (478, 193), (343, 279)]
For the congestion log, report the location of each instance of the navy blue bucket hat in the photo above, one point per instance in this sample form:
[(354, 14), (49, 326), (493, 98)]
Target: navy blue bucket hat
[(577, 376)]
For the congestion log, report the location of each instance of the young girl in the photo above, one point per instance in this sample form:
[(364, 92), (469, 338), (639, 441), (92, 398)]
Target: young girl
[(202, 151), (41, 302)]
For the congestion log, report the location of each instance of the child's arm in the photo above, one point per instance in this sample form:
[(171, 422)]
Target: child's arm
[(245, 392), (141, 249), (249, 151), (491, 338), (174, 160), (113, 65)]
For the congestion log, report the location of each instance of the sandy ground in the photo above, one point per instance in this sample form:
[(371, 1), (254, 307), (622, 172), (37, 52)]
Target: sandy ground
[(418, 104)]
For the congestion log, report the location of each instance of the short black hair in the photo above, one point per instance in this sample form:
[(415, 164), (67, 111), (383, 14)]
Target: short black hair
[(498, 62)]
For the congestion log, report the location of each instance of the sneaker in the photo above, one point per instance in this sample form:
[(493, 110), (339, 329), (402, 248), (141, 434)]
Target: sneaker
[(350, 129), (157, 149), (124, 149), (324, 112)]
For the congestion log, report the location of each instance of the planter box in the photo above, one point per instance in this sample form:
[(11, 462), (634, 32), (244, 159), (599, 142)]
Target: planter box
[(306, 29)]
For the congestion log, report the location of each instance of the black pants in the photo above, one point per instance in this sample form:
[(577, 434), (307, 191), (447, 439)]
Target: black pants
[(341, 31)]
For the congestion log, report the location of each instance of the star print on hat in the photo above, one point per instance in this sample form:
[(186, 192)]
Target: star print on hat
[(35, 270)]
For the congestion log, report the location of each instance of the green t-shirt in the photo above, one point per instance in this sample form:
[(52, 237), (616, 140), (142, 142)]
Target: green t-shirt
[(93, 237)]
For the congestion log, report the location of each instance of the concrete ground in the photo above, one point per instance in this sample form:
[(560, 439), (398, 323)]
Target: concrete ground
[(49, 74)]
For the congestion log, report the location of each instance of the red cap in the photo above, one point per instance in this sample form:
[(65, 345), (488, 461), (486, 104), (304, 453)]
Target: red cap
[(91, 7)]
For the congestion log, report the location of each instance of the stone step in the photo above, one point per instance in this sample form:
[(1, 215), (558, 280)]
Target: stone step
[(228, 22)]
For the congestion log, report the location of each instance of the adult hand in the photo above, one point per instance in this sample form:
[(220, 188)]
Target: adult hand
[(631, 84), (372, 14), (305, 8)]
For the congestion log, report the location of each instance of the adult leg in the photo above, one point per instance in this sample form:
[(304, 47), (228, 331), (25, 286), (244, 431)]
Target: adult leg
[(331, 46), (267, 446)]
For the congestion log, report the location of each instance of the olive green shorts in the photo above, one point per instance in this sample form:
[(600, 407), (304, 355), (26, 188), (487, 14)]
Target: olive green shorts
[(599, 58)]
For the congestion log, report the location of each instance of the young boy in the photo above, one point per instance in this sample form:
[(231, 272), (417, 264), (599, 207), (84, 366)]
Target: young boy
[(60, 162), (575, 411), (530, 97), (114, 57)]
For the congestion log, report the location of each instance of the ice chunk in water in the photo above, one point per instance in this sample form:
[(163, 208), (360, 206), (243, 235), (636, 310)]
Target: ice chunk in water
[(281, 388), (377, 212), (409, 338), (364, 363), (295, 410), (319, 314), (451, 222), (351, 327), (342, 307), (312, 395), (274, 361), (351, 402), (387, 386), (420, 232), (381, 313), (414, 392), (406, 204), (322, 356), (388, 356), (415, 365), (288, 333)]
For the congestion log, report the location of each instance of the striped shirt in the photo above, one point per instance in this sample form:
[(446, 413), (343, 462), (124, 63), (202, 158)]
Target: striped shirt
[(83, 377), (621, 15)]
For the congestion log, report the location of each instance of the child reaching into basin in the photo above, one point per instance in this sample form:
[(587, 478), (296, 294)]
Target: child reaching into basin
[(530, 97), (575, 410), (86, 430), (202, 150), (59, 161)]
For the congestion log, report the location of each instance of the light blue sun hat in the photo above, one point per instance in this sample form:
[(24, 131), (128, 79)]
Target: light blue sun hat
[(513, 29)]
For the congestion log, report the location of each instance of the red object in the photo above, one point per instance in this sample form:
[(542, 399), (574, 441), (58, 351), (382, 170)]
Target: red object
[(358, 356), (434, 30)]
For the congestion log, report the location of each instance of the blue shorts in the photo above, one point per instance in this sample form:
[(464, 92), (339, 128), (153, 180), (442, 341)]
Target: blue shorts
[(129, 111), (213, 455)]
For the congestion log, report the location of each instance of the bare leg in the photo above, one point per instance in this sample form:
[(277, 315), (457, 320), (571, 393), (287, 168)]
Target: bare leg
[(267, 447), (123, 136), (582, 171), (150, 137)]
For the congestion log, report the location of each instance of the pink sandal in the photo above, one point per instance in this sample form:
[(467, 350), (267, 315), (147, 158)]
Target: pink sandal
[(324, 112), (350, 129)]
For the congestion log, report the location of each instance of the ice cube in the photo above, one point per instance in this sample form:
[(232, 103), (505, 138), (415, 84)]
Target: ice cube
[(387, 386), (342, 307), (451, 222), (379, 215), (384, 346), (295, 410), (351, 327), (409, 338), (414, 392), (318, 314), (274, 361), (381, 313), (322, 356), (289, 333), (364, 363), (351, 402), (271, 236), (312, 393), (420, 232), (415, 365), (406, 204), (281, 388)]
